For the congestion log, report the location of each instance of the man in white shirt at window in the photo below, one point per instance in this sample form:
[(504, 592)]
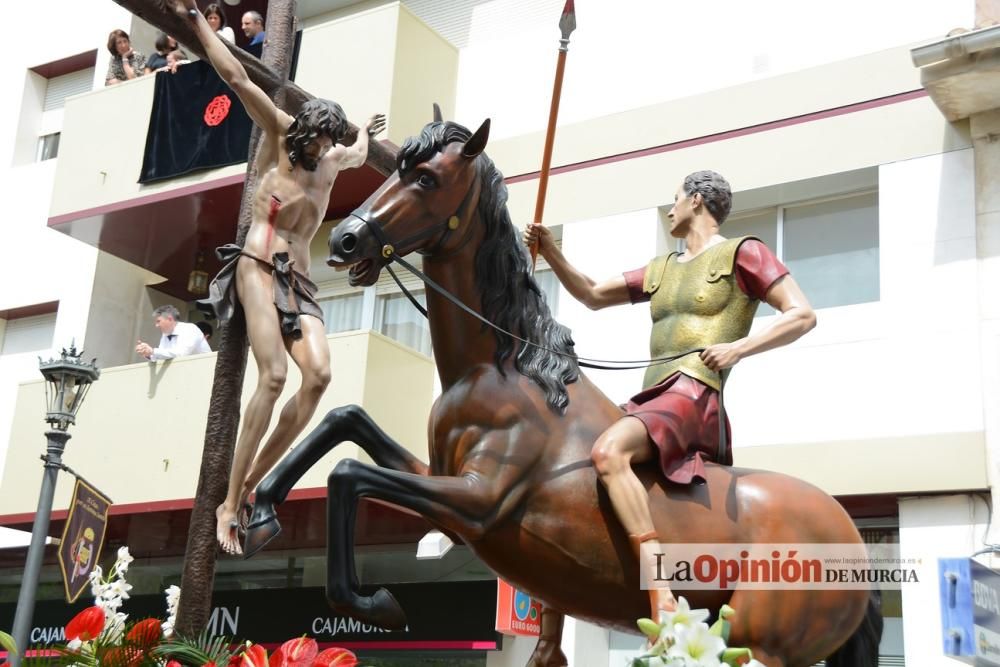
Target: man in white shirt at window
[(179, 339)]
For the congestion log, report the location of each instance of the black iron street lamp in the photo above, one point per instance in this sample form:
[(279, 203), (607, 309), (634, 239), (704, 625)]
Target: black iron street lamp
[(67, 381)]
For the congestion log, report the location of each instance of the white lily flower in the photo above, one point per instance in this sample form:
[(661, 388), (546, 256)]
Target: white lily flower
[(698, 643), (109, 604), (74, 644), (114, 629), (119, 588), (683, 615), (124, 559), (755, 663), (173, 599)]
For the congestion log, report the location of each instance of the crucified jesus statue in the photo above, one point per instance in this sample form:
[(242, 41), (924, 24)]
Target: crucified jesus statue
[(299, 159)]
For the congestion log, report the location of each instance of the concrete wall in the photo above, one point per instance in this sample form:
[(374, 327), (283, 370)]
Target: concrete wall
[(855, 389), (147, 421), (932, 528), (641, 53), (120, 308)]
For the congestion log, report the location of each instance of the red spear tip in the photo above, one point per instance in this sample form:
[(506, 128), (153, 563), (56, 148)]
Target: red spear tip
[(567, 22)]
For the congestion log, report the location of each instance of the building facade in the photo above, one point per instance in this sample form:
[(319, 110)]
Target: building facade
[(870, 170)]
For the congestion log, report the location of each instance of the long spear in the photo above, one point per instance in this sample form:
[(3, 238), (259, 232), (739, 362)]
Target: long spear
[(567, 24)]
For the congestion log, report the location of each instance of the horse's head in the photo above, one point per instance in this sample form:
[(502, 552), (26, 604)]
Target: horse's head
[(431, 194)]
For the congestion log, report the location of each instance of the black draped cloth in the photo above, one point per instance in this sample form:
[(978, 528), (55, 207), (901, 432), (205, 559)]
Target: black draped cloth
[(197, 122)]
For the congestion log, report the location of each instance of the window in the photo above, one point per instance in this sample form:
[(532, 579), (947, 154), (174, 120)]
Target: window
[(48, 147), (342, 312), (384, 308), (60, 87), (831, 246), (46, 89), (28, 334), (396, 317)]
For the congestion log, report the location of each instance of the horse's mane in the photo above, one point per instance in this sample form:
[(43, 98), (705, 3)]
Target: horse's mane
[(511, 298)]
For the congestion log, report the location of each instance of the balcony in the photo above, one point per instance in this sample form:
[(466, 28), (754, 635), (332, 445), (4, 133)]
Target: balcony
[(162, 226), (142, 429)]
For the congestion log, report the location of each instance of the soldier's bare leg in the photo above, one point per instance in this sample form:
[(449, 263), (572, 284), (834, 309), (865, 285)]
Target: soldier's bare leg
[(254, 288), (625, 443), (311, 354)]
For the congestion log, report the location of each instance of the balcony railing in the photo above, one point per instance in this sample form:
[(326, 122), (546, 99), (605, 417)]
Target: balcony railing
[(363, 59), (139, 437)]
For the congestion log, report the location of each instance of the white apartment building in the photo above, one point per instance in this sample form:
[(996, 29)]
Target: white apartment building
[(875, 180)]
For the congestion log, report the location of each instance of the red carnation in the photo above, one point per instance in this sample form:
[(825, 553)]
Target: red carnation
[(145, 634), (86, 625), (122, 656)]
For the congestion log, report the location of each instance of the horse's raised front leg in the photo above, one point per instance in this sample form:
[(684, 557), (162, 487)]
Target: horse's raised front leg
[(548, 650), (467, 505), (346, 423)]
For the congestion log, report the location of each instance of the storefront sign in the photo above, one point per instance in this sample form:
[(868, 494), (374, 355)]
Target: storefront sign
[(82, 537), (517, 612), (970, 611), (441, 616)]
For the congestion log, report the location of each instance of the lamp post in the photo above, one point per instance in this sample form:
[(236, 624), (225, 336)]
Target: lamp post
[(67, 381)]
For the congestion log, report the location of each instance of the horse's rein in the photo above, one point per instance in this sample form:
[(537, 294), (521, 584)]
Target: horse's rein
[(451, 224)]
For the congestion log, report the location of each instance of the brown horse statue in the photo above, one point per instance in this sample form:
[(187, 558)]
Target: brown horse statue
[(510, 441)]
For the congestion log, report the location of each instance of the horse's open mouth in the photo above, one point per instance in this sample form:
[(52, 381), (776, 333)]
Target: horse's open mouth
[(363, 273)]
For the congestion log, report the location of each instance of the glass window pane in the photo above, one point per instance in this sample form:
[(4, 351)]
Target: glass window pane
[(48, 147), (763, 225), (342, 313), (832, 250), (549, 284), (28, 334), (396, 317)]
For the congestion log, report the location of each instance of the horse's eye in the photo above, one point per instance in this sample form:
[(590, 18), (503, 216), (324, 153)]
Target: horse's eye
[(426, 181)]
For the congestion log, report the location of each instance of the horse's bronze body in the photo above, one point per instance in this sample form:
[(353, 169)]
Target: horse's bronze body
[(510, 440)]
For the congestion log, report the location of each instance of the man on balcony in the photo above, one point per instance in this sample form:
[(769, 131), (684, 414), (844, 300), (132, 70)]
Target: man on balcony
[(253, 27), (178, 339), (299, 159)]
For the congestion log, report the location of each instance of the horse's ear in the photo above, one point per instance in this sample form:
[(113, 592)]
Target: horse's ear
[(437, 113), (477, 142)]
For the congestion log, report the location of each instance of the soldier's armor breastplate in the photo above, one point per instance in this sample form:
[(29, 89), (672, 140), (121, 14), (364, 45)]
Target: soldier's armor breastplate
[(695, 304)]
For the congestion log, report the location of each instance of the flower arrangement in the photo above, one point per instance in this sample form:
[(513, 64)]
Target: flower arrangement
[(99, 636), (682, 638)]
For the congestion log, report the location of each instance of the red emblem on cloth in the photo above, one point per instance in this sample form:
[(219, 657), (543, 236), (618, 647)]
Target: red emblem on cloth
[(217, 110)]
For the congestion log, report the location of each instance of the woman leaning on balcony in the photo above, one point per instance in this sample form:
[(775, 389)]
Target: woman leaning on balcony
[(126, 63)]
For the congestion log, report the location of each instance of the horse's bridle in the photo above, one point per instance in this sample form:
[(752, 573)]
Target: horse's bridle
[(445, 228)]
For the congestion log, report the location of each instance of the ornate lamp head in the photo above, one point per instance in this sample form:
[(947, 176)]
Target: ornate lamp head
[(67, 381)]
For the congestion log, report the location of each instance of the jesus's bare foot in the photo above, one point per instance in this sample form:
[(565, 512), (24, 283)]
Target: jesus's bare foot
[(227, 530)]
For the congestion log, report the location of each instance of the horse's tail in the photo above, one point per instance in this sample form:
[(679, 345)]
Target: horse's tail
[(861, 648)]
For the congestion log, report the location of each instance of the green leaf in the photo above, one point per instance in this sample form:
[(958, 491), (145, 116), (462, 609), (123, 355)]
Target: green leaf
[(7, 642), (736, 656), (721, 628), (648, 627), (196, 651)]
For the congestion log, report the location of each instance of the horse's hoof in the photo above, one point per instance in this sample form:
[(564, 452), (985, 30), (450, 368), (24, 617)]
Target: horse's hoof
[(547, 654), (381, 610), (263, 528)]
